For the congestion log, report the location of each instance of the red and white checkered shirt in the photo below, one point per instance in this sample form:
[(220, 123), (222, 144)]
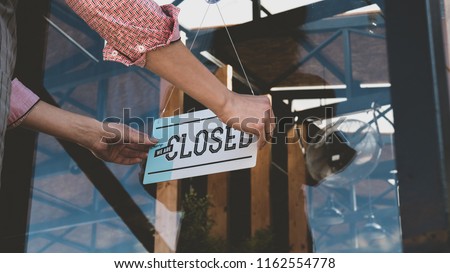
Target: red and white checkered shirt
[(130, 27), (21, 101)]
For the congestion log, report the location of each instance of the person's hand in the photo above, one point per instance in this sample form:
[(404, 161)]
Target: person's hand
[(122, 144), (251, 114), (113, 142)]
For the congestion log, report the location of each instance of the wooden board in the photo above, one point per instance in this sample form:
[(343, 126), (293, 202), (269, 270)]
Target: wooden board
[(298, 227), (168, 193), (218, 184), (260, 190)]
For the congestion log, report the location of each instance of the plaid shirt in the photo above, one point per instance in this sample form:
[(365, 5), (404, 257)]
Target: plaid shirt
[(130, 27), (22, 100)]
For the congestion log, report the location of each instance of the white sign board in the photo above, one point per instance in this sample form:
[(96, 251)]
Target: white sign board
[(195, 144)]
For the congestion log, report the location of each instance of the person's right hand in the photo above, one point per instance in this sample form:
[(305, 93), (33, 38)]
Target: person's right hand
[(251, 114)]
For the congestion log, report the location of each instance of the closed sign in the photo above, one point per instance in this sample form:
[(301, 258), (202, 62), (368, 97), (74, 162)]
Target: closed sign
[(197, 143)]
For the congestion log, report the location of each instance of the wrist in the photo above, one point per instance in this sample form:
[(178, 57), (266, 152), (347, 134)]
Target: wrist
[(222, 102), (88, 132)]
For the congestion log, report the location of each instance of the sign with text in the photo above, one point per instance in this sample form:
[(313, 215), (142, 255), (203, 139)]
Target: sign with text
[(195, 144)]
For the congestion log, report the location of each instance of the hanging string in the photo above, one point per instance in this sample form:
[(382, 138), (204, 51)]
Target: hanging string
[(235, 51), (232, 44), (198, 30)]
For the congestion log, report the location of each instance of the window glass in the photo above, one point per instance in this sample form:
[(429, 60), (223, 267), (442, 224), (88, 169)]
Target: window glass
[(325, 66)]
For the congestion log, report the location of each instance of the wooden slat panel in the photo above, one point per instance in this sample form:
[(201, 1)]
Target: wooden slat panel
[(260, 188), (168, 193), (298, 227), (218, 184), (218, 187)]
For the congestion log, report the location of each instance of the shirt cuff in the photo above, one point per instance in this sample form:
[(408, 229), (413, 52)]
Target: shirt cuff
[(21, 102)]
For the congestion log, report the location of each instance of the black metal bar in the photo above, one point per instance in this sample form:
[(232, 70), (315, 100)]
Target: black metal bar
[(420, 102), (15, 191), (265, 10), (256, 10), (19, 149)]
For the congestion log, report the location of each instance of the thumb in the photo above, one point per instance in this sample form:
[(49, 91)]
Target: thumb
[(138, 137)]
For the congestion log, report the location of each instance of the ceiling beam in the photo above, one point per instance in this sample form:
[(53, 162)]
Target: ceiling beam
[(283, 23)]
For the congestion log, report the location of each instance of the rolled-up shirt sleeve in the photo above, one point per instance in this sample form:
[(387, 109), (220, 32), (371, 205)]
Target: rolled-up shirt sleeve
[(131, 28), (21, 102)]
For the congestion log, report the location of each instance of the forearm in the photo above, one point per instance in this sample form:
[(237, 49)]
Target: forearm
[(62, 124), (178, 65), (252, 114)]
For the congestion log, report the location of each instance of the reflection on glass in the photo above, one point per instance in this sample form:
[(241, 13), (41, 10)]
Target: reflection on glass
[(329, 215), (350, 157), (367, 201), (342, 152), (372, 230)]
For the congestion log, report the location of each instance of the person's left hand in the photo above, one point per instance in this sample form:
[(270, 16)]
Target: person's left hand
[(122, 144)]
